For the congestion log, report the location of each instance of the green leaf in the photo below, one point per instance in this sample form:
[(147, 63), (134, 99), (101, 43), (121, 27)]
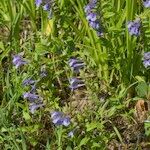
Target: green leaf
[(68, 148), (118, 134), (3, 129), (91, 126), (139, 78), (84, 141), (142, 89), (96, 145), (26, 116)]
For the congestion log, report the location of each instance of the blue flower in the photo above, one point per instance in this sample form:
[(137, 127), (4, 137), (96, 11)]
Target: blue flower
[(33, 107), (66, 121), (94, 24), (76, 64), (87, 9), (134, 27), (75, 83), (92, 16), (146, 3), (28, 82), (146, 59), (18, 61), (38, 3), (31, 97), (146, 63), (46, 7), (146, 56), (58, 118)]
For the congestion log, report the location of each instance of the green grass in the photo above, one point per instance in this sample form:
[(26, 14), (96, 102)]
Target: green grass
[(114, 76)]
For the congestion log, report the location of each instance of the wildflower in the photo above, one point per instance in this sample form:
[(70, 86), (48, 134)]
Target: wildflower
[(76, 64), (92, 16), (33, 107), (31, 97), (66, 121), (76, 83), (94, 24), (38, 3), (58, 118), (46, 7), (33, 88), (134, 27), (28, 81), (146, 59), (18, 61), (147, 55), (87, 9), (146, 3)]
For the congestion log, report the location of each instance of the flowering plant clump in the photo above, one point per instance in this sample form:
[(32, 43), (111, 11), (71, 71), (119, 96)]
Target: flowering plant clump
[(92, 17), (67, 80)]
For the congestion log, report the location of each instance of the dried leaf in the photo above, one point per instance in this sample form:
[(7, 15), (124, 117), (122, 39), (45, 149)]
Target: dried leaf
[(141, 109)]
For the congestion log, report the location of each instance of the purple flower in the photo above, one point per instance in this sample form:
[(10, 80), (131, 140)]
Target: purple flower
[(76, 64), (94, 24), (56, 114), (33, 107), (75, 83), (134, 27), (87, 9), (100, 33), (33, 88), (46, 7), (146, 59), (18, 61), (146, 56), (146, 63), (28, 81), (146, 3), (66, 121), (38, 3), (58, 118), (91, 17), (31, 97)]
